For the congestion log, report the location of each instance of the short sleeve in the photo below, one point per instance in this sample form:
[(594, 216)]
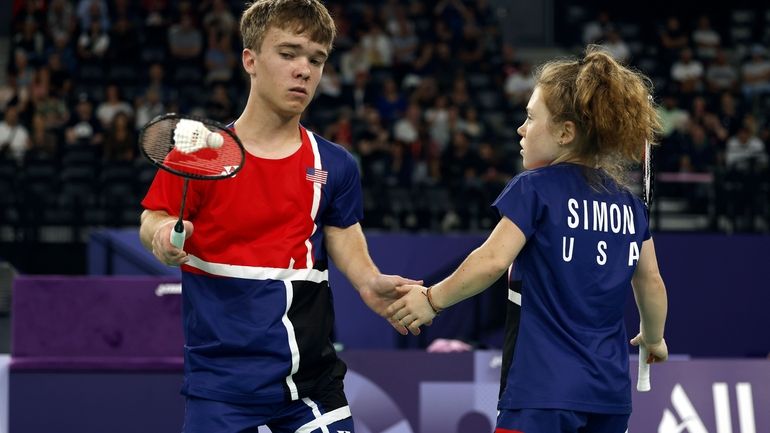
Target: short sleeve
[(165, 194), (345, 199), (520, 203)]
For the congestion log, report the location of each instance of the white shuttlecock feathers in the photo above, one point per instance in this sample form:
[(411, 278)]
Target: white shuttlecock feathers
[(191, 136)]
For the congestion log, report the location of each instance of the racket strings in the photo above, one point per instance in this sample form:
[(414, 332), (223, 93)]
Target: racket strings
[(207, 162)]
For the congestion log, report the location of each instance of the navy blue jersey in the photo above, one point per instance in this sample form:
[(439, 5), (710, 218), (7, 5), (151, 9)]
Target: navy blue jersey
[(257, 307), (571, 280)]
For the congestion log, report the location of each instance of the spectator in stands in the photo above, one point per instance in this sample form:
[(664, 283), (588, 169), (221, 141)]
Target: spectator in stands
[(377, 46), (404, 41), (616, 46), (21, 11), (120, 139), (83, 127), (185, 40), (755, 73), (578, 108), (330, 89), (700, 153), (706, 40), (595, 31), (730, 114), (125, 45), (11, 93), (61, 78), (495, 170), (341, 131), (220, 20), (90, 11), (687, 73), (746, 162), (459, 95), (219, 105), (745, 152), (93, 42), (112, 105), (147, 107), (61, 48), (407, 127), (519, 85), (360, 94), (352, 63), (60, 21), (438, 120), (43, 141), (22, 69), (400, 166), (460, 165), (721, 75), (446, 65), (49, 106), (469, 124), (471, 50), (156, 81), (14, 137), (31, 40), (672, 40), (219, 59)]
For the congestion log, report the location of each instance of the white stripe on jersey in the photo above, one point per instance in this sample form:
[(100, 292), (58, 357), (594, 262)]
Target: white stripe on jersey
[(325, 419), (316, 196), (258, 273), (514, 297), (292, 342)]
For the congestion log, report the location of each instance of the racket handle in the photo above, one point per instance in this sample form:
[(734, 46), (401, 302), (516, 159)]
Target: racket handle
[(178, 235), (643, 379)]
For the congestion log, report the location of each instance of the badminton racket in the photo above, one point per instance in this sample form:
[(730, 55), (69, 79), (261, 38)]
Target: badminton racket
[(643, 376), (192, 148)]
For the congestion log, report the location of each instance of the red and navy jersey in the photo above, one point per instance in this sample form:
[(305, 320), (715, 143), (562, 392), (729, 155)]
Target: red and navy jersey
[(566, 345), (257, 307)]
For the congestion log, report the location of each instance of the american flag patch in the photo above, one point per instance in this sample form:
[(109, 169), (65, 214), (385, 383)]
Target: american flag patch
[(316, 175)]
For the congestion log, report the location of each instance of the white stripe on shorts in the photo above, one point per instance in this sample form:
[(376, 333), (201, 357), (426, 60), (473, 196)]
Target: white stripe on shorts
[(321, 421)]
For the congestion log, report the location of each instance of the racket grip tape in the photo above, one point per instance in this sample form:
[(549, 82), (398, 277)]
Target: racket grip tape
[(643, 378), (178, 235)]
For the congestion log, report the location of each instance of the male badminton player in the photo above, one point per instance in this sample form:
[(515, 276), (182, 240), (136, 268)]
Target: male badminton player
[(257, 306)]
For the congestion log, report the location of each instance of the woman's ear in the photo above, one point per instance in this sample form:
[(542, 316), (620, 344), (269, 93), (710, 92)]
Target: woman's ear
[(567, 133)]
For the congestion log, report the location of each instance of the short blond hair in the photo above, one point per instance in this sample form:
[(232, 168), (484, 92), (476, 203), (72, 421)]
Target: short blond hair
[(308, 17)]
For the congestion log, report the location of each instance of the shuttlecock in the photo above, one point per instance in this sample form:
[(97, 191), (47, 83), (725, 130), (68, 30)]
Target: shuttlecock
[(191, 136)]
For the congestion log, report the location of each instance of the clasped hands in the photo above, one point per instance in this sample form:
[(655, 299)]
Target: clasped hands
[(412, 309)]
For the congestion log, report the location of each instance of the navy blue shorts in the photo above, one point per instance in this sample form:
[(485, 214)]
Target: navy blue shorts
[(326, 412), (559, 421)]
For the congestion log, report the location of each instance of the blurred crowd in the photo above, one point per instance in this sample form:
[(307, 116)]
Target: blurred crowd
[(426, 95)]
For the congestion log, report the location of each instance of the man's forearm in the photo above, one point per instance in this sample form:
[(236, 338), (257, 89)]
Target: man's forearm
[(347, 248), (151, 220)]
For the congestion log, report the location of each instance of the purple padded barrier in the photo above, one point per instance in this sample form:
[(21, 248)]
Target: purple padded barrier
[(95, 323), (717, 286)]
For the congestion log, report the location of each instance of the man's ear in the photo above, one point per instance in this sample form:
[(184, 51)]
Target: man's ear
[(249, 58)]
